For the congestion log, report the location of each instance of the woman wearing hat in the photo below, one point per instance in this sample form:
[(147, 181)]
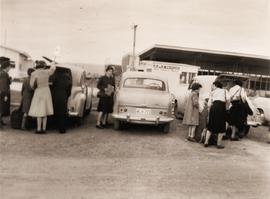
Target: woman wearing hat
[(106, 86), (5, 82), (41, 105)]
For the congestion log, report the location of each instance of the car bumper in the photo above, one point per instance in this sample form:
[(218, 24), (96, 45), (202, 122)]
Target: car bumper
[(142, 119)]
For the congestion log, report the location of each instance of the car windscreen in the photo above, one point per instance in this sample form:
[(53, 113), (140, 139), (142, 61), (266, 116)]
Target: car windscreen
[(144, 83)]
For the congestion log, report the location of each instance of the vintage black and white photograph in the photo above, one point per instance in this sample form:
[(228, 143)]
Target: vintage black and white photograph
[(131, 99)]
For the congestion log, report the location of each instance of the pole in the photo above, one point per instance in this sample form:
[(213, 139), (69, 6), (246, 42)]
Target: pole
[(134, 43)]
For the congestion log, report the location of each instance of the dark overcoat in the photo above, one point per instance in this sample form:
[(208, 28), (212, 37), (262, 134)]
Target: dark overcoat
[(5, 82), (61, 90), (27, 95)]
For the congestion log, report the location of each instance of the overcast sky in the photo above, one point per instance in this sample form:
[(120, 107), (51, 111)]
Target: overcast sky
[(99, 31)]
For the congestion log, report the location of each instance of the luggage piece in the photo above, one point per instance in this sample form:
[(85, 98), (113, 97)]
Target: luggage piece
[(16, 119)]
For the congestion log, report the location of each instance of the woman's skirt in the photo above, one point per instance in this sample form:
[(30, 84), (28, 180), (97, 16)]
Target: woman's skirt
[(105, 105), (238, 115), (41, 105), (217, 118)]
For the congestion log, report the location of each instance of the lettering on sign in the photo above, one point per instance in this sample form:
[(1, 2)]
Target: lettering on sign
[(163, 67)]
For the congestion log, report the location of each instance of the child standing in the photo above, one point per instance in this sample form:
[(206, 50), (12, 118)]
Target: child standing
[(27, 94), (191, 115)]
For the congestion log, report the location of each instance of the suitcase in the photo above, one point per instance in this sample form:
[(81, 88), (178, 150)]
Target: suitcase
[(16, 119)]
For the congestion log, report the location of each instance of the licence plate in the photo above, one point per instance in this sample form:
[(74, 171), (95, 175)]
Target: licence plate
[(143, 111)]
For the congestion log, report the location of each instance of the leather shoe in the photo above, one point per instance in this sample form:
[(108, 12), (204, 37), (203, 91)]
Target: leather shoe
[(220, 147), (99, 127), (235, 139)]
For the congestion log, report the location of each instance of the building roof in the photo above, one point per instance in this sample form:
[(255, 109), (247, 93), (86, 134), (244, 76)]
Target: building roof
[(26, 55), (209, 59)]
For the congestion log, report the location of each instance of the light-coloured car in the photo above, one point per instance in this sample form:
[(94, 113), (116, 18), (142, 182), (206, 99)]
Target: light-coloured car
[(143, 98), (263, 104), (80, 100)]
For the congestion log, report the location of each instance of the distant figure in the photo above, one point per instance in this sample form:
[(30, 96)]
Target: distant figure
[(41, 105), (27, 95), (106, 86), (191, 115), (5, 82), (217, 114), (238, 113), (61, 90)]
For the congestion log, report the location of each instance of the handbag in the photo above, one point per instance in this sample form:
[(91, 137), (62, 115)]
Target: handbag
[(227, 108), (245, 105), (100, 94)]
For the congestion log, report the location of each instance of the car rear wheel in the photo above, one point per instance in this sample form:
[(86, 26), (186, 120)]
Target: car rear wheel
[(117, 124), (177, 113), (166, 128)]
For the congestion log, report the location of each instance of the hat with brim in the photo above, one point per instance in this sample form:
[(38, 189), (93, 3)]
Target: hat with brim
[(4, 62)]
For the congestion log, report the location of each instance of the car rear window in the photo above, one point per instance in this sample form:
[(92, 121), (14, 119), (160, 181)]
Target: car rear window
[(145, 83)]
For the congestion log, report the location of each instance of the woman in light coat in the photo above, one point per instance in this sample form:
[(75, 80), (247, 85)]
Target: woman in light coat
[(41, 105), (191, 115)]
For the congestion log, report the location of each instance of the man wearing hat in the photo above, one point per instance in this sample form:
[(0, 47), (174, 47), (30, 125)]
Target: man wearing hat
[(5, 82)]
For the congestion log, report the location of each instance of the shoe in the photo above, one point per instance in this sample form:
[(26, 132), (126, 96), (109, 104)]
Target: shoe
[(38, 132), (62, 131), (220, 147), (99, 127), (235, 139), (191, 139), (205, 145), (104, 125)]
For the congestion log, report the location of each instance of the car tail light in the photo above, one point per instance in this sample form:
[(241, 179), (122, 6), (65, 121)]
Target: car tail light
[(163, 113), (122, 109)]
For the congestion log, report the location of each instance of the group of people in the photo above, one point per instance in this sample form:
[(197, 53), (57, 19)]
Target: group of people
[(223, 108), (44, 92)]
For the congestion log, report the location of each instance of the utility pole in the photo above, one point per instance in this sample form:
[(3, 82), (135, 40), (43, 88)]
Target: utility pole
[(134, 43)]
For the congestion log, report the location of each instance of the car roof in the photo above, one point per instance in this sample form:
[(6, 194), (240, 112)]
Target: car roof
[(151, 75)]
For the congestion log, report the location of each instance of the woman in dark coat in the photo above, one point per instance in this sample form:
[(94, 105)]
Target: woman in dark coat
[(238, 114), (61, 90), (217, 113), (106, 86), (27, 95), (5, 82)]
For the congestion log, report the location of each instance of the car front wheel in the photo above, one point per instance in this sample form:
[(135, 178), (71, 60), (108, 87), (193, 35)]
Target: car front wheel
[(117, 124)]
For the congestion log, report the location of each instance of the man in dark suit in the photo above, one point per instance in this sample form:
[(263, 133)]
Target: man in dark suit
[(5, 82), (61, 90)]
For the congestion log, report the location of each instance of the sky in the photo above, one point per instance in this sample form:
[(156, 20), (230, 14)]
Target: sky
[(100, 31)]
